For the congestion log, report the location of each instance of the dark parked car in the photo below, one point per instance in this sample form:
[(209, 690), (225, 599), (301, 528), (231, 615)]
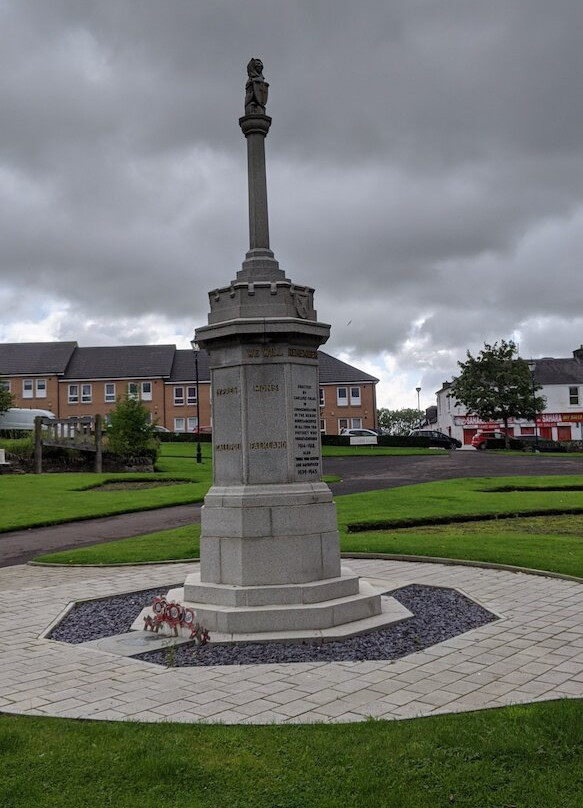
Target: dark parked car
[(437, 439), (495, 440)]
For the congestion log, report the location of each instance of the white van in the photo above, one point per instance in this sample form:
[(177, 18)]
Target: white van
[(22, 419)]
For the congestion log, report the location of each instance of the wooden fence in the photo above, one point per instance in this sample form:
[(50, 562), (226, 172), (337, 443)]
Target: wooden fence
[(84, 435)]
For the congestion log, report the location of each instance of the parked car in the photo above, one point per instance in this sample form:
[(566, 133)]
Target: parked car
[(204, 430), (535, 442), (160, 428), (489, 439), (437, 439), (360, 433), (20, 418)]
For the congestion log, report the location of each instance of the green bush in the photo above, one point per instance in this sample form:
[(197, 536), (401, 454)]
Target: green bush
[(130, 433)]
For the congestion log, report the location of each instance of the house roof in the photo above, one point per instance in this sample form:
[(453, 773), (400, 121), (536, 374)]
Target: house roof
[(558, 371), (183, 367), (122, 362), (35, 358), (333, 370), (136, 362)]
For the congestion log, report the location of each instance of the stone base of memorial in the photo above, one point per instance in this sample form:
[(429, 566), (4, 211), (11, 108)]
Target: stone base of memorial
[(270, 549)]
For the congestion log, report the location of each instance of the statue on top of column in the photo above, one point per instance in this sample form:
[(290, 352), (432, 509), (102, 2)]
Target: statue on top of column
[(256, 89)]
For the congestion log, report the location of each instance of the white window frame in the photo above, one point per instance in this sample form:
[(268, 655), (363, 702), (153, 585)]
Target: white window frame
[(574, 398), (342, 401), (133, 390), (40, 388), (191, 423), (86, 393), (179, 397), (73, 393), (322, 397), (146, 394), (355, 398), (109, 398), (191, 394), (343, 423), (356, 423), (28, 388), (179, 424), (323, 426), (6, 384)]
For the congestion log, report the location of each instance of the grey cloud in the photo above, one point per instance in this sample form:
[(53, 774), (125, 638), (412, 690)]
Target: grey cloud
[(424, 165)]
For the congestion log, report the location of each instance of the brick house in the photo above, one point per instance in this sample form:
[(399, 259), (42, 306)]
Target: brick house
[(72, 382)]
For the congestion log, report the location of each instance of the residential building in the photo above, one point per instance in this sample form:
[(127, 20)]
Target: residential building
[(561, 419), (72, 382)]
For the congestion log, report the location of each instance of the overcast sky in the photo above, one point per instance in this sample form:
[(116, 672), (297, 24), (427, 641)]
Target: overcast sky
[(425, 172)]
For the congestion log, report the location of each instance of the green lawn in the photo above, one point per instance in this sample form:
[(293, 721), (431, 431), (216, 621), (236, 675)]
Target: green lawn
[(527, 756), (547, 542)]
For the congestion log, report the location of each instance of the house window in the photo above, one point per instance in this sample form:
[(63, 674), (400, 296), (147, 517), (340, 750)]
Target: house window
[(342, 396), (73, 397), (27, 388), (146, 391), (41, 388), (109, 392), (191, 395), (343, 424), (86, 393), (573, 395), (322, 398), (133, 390), (355, 396), (323, 426), (5, 384), (179, 397), (179, 424), (356, 423), (192, 423)]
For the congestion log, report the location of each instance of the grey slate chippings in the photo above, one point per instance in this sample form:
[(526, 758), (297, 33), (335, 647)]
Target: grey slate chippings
[(439, 614)]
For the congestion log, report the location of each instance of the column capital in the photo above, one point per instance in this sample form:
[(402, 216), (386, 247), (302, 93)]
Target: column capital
[(255, 124)]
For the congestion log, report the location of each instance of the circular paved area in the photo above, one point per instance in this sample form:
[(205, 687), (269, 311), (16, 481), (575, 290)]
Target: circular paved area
[(534, 653)]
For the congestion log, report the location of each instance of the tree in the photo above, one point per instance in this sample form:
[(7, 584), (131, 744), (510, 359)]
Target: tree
[(398, 422), (6, 400), (497, 384), (130, 433)]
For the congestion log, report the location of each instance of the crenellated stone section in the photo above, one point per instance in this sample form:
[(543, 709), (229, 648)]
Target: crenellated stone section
[(261, 298)]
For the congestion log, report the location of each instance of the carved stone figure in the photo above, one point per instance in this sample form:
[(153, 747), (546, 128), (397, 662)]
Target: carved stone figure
[(256, 89)]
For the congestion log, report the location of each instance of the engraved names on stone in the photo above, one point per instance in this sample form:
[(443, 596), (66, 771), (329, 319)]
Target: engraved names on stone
[(306, 438)]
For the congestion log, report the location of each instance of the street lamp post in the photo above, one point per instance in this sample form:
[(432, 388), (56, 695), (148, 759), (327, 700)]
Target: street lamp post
[(532, 368), (418, 405), (195, 348)]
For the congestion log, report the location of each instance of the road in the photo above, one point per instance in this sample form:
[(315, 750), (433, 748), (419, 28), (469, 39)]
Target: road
[(358, 474)]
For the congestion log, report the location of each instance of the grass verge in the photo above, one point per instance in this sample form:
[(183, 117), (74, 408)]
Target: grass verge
[(528, 756), (551, 543)]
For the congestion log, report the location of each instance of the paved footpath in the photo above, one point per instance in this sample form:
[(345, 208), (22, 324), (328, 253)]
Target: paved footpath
[(534, 653)]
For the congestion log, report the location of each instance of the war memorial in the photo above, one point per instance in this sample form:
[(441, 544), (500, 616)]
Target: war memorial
[(270, 551)]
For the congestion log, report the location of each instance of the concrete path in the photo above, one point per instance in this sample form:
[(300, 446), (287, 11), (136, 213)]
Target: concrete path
[(534, 653), (358, 474), (20, 546)]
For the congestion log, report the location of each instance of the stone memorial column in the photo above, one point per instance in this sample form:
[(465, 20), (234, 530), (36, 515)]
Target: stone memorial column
[(270, 553)]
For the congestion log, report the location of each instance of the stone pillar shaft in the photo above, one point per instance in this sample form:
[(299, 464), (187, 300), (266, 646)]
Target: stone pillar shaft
[(255, 129)]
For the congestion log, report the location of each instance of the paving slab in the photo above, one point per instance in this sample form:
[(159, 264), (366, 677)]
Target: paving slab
[(505, 662)]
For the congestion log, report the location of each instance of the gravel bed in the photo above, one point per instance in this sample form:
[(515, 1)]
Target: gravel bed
[(105, 617), (438, 615)]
